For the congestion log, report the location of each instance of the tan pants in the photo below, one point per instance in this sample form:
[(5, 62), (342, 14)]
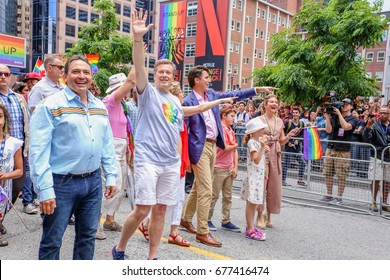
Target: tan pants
[(222, 180), (199, 199)]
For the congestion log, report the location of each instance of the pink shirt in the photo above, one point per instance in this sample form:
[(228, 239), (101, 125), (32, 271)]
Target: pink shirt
[(116, 116), (226, 159), (209, 119)]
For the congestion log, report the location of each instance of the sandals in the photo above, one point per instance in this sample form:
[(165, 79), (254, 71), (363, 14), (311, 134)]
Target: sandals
[(268, 223), (260, 221), (172, 239), (3, 230), (144, 231), (255, 235)]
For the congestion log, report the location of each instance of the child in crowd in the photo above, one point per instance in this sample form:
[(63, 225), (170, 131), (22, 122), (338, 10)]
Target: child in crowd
[(225, 170), (11, 167), (254, 181)]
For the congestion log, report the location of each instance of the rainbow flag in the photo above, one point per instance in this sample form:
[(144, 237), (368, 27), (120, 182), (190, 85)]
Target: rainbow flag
[(312, 148), (39, 68), (93, 60)]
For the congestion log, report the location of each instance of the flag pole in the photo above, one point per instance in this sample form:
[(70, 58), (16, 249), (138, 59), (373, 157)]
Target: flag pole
[(17, 212)]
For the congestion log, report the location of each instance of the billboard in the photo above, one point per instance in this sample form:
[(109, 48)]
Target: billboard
[(211, 33), (12, 51), (172, 35)]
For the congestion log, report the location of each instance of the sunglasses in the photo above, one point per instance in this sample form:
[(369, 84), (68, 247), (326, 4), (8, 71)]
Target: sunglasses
[(60, 67), (5, 74)]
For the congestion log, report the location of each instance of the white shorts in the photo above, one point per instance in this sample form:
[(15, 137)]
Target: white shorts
[(156, 184), (379, 170)]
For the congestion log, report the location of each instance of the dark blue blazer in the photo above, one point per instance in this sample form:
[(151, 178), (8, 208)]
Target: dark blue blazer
[(196, 125)]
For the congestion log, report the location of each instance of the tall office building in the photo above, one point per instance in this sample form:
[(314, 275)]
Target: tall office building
[(8, 17), (56, 23)]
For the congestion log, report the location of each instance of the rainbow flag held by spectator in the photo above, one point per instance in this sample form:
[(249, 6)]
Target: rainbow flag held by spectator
[(39, 68), (93, 60), (3, 195), (312, 148)]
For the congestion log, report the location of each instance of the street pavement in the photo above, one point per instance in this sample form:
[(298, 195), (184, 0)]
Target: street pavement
[(299, 233)]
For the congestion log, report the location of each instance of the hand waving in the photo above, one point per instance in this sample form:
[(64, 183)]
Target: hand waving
[(139, 24)]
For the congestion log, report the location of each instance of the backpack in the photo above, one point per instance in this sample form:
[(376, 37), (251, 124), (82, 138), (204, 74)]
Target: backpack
[(300, 124)]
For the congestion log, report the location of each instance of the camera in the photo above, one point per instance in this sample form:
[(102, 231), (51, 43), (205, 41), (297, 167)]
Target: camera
[(333, 103)]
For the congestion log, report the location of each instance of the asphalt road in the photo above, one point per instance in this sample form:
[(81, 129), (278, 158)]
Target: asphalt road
[(299, 233)]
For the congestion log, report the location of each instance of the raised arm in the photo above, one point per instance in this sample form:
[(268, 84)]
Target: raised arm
[(139, 30), (124, 89), (193, 110)]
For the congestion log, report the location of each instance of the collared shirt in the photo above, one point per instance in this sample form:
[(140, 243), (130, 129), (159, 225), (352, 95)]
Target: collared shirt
[(41, 90), (133, 114), (12, 104), (209, 119), (70, 137)]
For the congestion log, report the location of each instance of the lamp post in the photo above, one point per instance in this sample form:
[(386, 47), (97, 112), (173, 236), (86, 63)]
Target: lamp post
[(231, 82)]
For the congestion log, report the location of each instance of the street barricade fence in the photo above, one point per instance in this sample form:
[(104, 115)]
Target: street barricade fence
[(384, 206), (359, 170)]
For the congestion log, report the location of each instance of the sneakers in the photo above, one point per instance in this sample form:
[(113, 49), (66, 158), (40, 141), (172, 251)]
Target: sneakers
[(285, 184), (114, 226), (301, 183), (338, 201), (30, 209), (373, 207), (211, 226), (72, 220), (386, 208), (36, 202), (327, 198), (255, 234), (3, 230), (100, 235), (230, 226), (118, 256)]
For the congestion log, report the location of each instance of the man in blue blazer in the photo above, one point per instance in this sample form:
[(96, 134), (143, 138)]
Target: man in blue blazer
[(204, 134)]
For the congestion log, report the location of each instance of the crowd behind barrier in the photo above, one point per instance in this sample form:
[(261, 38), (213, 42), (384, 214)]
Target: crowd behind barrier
[(358, 194)]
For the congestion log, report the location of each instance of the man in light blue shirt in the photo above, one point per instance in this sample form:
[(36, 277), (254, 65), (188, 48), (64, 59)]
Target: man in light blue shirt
[(72, 138)]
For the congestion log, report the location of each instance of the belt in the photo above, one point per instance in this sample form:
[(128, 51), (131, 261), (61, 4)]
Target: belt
[(211, 140), (75, 175)]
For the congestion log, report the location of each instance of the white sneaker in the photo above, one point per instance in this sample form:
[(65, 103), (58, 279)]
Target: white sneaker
[(30, 209)]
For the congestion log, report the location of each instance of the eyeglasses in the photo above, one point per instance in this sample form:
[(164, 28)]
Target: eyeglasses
[(5, 74), (383, 113), (60, 67)]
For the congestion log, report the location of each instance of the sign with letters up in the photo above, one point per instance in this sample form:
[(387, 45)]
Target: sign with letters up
[(12, 51)]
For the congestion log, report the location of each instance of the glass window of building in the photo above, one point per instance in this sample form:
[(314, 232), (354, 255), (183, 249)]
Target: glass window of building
[(379, 76), (381, 56), (85, 2), (118, 8), (187, 68), (152, 62), (190, 50), (83, 16), (70, 12), (94, 16), (126, 11), (126, 27), (191, 29), (369, 56), (192, 8), (70, 30)]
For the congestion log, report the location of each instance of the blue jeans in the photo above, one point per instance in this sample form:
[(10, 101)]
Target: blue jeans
[(28, 194), (83, 197), (287, 160), (240, 133)]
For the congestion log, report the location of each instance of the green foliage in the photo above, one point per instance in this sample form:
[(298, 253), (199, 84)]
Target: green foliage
[(306, 69), (100, 37)]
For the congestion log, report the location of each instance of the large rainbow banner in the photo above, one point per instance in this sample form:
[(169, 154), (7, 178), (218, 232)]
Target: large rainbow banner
[(312, 148), (172, 34), (12, 51)]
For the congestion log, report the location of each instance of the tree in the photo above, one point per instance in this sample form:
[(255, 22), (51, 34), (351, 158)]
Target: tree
[(100, 37), (305, 70)]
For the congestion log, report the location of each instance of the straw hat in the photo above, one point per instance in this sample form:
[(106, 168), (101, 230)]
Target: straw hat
[(116, 81), (254, 125)]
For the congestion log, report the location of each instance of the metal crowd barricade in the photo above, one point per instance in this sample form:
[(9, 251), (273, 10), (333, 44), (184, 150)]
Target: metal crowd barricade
[(385, 184), (358, 191)]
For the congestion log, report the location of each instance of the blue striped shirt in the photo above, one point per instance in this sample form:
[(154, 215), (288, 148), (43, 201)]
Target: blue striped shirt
[(69, 137), (11, 102)]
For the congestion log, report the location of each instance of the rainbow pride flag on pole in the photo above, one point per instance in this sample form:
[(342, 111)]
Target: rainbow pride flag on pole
[(312, 148), (39, 68), (93, 60)]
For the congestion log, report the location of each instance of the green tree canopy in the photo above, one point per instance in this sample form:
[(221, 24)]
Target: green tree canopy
[(306, 69), (100, 37)]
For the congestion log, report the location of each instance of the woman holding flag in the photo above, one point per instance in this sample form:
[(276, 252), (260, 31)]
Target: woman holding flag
[(11, 167)]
